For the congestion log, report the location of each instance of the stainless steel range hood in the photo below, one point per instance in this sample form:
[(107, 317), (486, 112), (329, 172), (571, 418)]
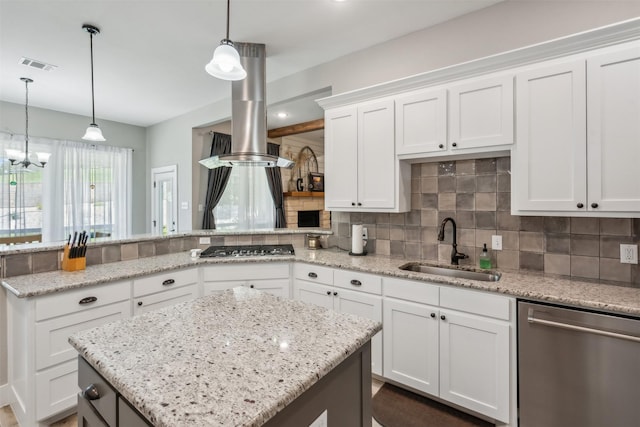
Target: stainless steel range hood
[(249, 116)]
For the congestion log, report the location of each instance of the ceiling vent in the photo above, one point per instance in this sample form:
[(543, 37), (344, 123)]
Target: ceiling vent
[(37, 64)]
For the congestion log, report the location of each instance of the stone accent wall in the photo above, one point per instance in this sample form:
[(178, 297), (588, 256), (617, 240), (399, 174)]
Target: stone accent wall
[(477, 194), (294, 204)]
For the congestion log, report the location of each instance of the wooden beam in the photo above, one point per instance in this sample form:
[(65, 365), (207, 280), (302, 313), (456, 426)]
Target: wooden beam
[(296, 129)]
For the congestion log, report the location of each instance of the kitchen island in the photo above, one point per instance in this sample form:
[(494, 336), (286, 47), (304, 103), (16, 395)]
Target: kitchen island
[(242, 358)]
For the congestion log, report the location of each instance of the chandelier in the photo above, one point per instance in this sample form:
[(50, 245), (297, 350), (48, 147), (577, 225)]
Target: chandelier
[(17, 157)]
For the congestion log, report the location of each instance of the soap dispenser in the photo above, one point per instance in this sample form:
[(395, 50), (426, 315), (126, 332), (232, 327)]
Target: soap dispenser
[(485, 259)]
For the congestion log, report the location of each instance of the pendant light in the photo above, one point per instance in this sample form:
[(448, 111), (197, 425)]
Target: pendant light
[(225, 63), (93, 132), (17, 157)]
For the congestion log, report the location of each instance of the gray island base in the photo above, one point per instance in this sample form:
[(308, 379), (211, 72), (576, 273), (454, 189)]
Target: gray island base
[(240, 358)]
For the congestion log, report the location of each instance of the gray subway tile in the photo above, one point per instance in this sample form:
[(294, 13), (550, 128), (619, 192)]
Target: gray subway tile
[(396, 219), (111, 253), (430, 252), (486, 183), (508, 260), (397, 248), (446, 168), (556, 225), (503, 201), (447, 201), (484, 166), (532, 223), (504, 183), (145, 249), (585, 226), (429, 169), (531, 261), (531, 241), (45, 261), (485, 220), (465, 201), (94, 255), (447, 184), (506, 221), (486, 202), (412, 217), (558, 243), (429, 201), (16, 265), (383, 247), (396, 232), (412, 250), (585, 266), (466, 184), (585, 245), (615, 226), (383, 232), (503, 164), (466, 167), (429, 184), (557, 264), (466, 219), (612, 269), (510, 240), (383, 218), (428, 218)]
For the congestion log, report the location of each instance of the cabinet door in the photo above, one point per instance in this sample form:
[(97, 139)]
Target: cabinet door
[(341, 158), (313, 293), (411, 344), (549, 158), (613, 131), (474, 363), (376, 156), (481, 113), (164, 299), (421, 122), (369, 307)]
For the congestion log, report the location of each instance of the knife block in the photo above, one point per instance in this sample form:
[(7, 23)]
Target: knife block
[(72, 264)]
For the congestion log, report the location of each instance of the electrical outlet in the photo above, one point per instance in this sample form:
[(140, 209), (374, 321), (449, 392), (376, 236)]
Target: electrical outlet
[(629, 254), (365, 233), (205, 240), (496, 243)]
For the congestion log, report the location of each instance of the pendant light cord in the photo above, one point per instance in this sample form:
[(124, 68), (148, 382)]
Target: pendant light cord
[(93, 105), (26, 121), (228, 6)]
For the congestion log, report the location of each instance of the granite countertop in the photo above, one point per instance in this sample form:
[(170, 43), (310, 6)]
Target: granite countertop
[(540, 287), (235, 358)]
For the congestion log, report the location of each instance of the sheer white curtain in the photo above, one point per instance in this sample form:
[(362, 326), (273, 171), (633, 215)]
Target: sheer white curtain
[(88, 187), (83, 187), (246, 203)]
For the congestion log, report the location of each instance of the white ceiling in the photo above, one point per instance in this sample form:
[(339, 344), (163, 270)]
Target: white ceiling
[(150, 56)]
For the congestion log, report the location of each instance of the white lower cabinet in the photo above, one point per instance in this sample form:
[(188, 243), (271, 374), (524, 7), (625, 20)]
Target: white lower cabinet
[(330, 291), (268, 277), (451, 343), (43, 366)]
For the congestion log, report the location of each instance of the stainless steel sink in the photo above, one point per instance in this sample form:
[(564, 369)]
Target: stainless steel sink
[(486, 276)]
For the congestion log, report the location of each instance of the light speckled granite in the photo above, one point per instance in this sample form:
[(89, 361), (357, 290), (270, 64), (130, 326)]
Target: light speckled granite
[(233, 359), (539, 287)]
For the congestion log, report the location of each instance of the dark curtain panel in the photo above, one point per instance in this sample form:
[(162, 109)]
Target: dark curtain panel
[(218, 178), (275, 185)]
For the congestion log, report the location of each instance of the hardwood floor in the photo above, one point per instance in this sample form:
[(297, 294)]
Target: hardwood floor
[(7, 419)]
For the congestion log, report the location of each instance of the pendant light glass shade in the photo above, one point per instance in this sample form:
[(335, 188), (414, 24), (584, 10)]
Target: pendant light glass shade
[(93, 133), (225, 63)]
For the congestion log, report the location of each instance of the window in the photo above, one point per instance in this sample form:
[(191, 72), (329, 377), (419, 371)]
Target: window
[(83, 187), (246, 203)]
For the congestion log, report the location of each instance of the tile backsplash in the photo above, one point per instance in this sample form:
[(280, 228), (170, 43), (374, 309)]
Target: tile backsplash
[(477, 194)]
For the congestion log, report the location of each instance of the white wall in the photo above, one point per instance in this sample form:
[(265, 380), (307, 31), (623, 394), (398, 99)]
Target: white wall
[(58, 125), (499, 28)]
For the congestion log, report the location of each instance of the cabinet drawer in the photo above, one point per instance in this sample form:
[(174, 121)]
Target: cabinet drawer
[(476, 302), (244, 271), (52, 335), (410, 290), (313, 273), (164, 281), (358, 281), (81, 299), (164, 299), (106, 403)]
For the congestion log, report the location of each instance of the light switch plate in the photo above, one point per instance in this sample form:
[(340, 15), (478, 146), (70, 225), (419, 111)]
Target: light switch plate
[(629, 254), (205, 240), (496, 243), (184, 205)]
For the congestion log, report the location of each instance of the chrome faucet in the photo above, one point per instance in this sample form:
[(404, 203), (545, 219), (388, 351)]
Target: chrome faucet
[(455, 255)]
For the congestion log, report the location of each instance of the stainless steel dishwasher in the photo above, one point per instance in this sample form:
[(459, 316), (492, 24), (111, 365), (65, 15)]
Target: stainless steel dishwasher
[(577, 368)]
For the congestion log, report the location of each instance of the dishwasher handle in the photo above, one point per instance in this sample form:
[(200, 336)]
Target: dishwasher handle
[(533, 320)]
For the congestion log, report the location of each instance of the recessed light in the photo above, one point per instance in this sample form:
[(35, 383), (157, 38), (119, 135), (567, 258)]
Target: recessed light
[(282, 115), (40, 65)]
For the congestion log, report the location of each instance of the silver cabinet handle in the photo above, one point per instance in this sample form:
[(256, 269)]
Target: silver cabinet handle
[(91, 392), (87, 300), (355, 282), (168, 282), (551, 323)]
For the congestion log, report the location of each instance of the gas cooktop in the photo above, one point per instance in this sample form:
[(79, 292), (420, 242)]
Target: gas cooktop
[(247, 250)]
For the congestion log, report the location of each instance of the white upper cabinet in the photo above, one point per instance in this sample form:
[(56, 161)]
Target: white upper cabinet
[(613, 130), (578, 133), (549, 159), (474, 116), (362, 172), (481, 113), (421, 122)]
